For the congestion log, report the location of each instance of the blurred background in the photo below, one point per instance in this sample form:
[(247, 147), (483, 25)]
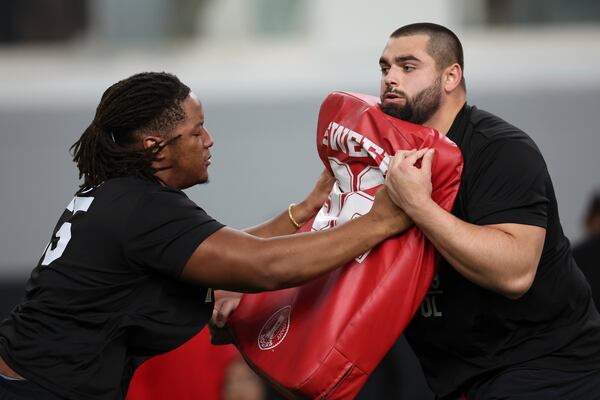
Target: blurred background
[(261, 69)]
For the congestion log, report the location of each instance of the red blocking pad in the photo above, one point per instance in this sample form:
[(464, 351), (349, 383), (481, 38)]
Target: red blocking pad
[(323, 339)]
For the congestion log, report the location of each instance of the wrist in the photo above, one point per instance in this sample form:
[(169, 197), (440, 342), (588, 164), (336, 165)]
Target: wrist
[(379, 224), (311, 206), (302, 212), (291, 216), (419, 211)]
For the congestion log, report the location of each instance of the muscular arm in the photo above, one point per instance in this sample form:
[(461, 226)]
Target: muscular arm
[(238, 261), (502, 257)]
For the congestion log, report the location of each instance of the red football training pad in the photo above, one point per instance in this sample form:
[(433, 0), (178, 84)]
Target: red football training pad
[(324, 338)]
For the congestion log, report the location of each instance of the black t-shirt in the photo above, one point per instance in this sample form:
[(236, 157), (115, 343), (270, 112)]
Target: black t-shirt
[(107, 289), (462, 331), (587, 256)]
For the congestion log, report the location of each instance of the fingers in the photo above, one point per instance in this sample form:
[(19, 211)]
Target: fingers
[(399, 157), (213, 318), (220, 316), (222, 310), (410, 157), (409, 185), (219, 319), (427, 160), (327, 179), (325, 176)]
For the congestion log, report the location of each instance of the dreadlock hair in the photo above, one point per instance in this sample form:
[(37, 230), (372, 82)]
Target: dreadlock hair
[(444, 46), (148, 102)]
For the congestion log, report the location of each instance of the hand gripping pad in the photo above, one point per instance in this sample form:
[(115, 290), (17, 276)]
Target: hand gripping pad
[(322, 340)]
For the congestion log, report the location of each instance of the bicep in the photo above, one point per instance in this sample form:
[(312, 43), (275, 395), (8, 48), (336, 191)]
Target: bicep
[(528, 242), (227, 259), (507, 183)]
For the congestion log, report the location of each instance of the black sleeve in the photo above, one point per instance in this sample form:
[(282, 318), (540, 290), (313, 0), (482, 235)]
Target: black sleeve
[(508, 183), (165, 229)]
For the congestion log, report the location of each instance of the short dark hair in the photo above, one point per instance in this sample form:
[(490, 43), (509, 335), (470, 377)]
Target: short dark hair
[(444, 46), (148, 102)]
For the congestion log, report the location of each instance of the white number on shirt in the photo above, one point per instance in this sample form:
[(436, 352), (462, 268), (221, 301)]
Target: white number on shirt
[(64, 232)]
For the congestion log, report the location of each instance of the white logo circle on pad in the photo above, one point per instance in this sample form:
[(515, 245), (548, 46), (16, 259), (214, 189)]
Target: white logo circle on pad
[(275, 329)]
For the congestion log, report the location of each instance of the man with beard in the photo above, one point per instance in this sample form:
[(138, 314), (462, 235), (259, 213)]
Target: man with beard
[(509, 315)]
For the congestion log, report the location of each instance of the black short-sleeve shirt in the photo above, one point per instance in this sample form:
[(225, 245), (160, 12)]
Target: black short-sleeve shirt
[(107, 289), (462, 331)]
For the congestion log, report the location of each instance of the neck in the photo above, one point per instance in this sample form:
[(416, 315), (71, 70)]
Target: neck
[(165, 177), (449, 108)]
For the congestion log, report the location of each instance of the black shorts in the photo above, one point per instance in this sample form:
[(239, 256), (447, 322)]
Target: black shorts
[(23, 390), (537, 384)]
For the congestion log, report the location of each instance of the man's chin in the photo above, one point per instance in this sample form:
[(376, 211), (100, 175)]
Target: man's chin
[(397, 112), (198, 182)]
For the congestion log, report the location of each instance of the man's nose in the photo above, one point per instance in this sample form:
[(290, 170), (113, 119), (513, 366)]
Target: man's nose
[(392, 77), (208, 140)]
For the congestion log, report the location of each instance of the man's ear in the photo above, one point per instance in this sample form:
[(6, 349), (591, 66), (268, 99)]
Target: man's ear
[(156, 145), (151, 142), (452, 77)]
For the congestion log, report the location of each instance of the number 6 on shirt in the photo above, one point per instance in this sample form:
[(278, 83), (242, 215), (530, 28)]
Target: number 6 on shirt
[(64, 233)]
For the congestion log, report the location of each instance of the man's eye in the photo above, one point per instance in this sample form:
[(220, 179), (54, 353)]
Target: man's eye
[(408, 68), (384, 70)]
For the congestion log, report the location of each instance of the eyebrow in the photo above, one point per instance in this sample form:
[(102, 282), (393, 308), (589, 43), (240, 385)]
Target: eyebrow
[(399, 59)]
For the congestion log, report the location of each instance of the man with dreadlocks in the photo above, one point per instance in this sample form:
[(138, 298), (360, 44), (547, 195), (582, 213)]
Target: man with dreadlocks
[(131, 263)]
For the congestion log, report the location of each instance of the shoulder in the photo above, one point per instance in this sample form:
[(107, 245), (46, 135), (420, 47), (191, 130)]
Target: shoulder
[(490, 127), (130, 194), (493, 135), (127, 184), (137, 187)]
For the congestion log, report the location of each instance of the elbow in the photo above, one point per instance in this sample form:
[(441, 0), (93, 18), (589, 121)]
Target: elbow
[(518, 286), (269, 279), (515, 292), (274, 275), (271, 267)]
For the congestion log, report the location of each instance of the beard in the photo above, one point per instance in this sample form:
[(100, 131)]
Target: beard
[(418, 109)]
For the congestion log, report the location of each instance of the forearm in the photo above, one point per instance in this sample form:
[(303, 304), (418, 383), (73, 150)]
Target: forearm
[(485, 255), (238, 261), (295, 260), (282, 223), (234, 260)]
